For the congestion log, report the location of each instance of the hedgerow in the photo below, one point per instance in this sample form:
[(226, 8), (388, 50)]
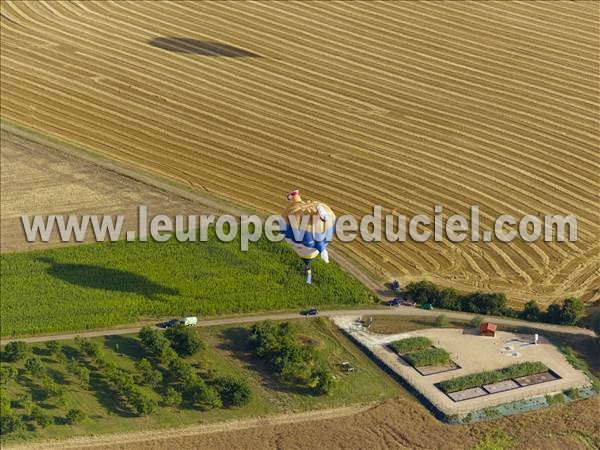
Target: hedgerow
[(410, 344), (100, 285), (493, 376)]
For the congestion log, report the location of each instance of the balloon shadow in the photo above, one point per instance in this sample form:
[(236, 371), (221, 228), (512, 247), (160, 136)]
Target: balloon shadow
[(98, 277), (203, 48)]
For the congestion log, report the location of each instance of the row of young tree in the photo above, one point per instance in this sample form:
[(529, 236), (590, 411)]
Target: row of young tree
[(291, 361), (166, 351), (34, 371), (493, 303)]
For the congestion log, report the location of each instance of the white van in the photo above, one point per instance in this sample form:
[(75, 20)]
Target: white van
[(190, 321)]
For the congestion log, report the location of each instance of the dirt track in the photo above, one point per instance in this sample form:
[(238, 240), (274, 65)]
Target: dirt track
[(402, 104), (402, 311)]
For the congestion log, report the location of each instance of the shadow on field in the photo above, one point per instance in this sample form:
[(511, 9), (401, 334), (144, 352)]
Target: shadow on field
[(203, 48), (125, 345), (97, 277)]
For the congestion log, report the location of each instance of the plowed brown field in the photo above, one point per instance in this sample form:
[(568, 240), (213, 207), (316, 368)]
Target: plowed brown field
[(401, 104)]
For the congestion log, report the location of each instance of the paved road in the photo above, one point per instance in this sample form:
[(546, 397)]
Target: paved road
[(399, 311)]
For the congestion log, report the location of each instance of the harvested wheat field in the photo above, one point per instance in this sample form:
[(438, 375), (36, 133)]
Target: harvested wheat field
[(402, 104)]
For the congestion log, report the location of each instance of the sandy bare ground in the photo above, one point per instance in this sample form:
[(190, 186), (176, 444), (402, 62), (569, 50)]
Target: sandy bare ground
[(402, 104), (473, 354), (36, 179)]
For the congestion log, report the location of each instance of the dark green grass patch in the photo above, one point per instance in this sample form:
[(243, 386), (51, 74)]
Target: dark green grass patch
[(428, 357), (410, 344), (101, 285)]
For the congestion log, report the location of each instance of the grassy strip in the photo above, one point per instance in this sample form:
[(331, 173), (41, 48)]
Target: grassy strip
[(580, 364), (102, 285), (428, 357), (410, 344), (494, 376)]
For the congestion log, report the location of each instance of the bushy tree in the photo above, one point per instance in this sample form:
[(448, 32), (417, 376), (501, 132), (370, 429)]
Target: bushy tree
[(167, 355), (421, 291), (7, 373), (147, 374), (89, 348), (172, 397), (54, 347), (531, 311), (233, 391), (11, 423), (35, 367), (492, 303), (75, 416), (25, 402), (141, 403), (180, 370), (553, 313), (441, 321), (184, 340), (572, 310), (202, 396), (40, 417), (16, 351), (323, 381), (153, 341)]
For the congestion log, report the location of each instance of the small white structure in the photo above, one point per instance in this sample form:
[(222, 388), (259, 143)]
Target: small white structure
[(190, 321), (536, 337)]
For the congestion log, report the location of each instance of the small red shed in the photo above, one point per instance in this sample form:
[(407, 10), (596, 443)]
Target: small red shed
[(487, 329)]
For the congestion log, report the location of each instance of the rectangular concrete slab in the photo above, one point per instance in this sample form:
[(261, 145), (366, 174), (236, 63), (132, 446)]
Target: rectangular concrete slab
[(536, 379), (467, 394), (501, 386)]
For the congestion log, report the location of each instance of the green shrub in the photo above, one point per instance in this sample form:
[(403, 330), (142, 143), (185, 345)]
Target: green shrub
[(153, 341), (202, 396), (54, 347), (323, 381), (410, 344), (40, 417), (75, 416), (184, 340), (141, 403), (11, 423), (494, 376), (172, 397), (572, 393), (35, 367), (7, 373), (25, 402), (476, 321), (555, 399), (147, 374), (428, 357), (441, 321), (531, 311), (180, 370), (233, 391), (16, 351)]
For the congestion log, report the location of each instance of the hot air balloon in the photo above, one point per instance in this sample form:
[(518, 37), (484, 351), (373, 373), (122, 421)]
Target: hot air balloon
[(309, 227)]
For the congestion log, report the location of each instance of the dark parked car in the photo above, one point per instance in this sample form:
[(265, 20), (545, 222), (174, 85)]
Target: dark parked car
[(169, 323), (310, 312), (395, 302)]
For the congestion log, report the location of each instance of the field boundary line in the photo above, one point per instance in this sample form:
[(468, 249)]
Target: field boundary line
[(225, 426)]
